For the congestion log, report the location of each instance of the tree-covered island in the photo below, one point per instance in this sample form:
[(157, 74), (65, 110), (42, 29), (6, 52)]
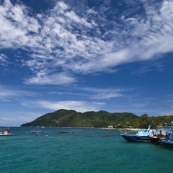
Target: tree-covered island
[(102, 119)]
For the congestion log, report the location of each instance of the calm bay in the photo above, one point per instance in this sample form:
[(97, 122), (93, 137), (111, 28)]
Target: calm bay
[(79, 150)]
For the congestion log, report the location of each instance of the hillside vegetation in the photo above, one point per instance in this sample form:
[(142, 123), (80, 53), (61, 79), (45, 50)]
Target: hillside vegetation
[(71, 118)]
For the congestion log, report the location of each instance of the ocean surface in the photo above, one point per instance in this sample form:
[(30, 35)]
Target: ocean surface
[(86, 150)]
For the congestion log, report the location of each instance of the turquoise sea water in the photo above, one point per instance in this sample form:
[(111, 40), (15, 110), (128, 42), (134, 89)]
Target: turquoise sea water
[(85, 151)]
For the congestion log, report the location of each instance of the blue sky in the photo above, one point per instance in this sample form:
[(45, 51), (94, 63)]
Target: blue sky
[(112, 55)]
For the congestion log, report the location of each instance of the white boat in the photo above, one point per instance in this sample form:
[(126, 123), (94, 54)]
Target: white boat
[(5, 132), (142, 135)]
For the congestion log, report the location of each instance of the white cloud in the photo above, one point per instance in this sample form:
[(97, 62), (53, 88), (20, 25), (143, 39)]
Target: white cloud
[(62, 39), (8, 93), (91, 11), (63, 6), (58, 79), (17, 118), (80, 106), (16, 26), (108, 93), (3, 59), (140, 105), (96, 93)]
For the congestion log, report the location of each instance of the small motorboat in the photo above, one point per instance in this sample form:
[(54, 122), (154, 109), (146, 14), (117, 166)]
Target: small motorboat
[(67, 131), (36, 132), (5, 132)]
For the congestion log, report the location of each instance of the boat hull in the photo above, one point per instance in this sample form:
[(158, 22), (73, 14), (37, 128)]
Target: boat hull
[(6, 134), (134, 138)]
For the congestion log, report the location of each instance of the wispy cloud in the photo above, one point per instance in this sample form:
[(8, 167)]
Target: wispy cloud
[(97, 93), (17, 118), (61, 41), (57, 79), (105, 93), (81, 106), (3, 59), (9, 93), (148, 66), (140, 105)]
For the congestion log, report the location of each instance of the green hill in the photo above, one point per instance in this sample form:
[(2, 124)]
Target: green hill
[(71, 118)]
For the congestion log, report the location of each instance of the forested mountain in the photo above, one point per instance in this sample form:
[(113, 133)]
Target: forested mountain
[(71, 118)]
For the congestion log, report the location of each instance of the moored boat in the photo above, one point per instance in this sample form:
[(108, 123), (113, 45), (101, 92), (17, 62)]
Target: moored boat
[(161, 134), (5, 132), (169, 138), (36, 132), (142, 135)]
